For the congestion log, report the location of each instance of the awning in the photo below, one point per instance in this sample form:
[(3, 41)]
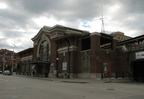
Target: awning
[(39, 62)]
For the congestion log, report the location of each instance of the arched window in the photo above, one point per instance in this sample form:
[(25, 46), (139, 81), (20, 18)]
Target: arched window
[(44, 51), (85, 64)]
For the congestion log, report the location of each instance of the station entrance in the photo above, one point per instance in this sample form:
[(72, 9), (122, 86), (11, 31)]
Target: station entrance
[(138, 71)]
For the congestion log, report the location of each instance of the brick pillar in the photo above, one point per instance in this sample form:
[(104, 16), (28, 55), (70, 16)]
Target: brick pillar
[(72, 63), (95, 47), (95, 41), (72, 56), (114, 44), (34, 53)]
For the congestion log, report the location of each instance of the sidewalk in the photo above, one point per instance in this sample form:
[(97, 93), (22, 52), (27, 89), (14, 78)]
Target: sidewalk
[(82, 80)]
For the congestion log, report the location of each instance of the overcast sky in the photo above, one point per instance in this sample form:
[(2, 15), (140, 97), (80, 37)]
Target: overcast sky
[(20, 20)]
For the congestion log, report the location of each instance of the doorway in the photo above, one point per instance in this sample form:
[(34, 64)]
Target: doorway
[(138, 71)]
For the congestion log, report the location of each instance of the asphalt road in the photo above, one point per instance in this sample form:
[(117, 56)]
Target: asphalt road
[(21, 87)]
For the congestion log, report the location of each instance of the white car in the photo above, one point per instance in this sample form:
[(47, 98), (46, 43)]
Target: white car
[(0, 72), (6, 72)]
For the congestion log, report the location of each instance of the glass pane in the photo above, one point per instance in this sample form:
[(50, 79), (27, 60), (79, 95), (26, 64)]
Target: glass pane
[(44, 51)]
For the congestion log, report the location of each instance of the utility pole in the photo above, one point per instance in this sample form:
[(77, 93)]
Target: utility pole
[(12, 60)]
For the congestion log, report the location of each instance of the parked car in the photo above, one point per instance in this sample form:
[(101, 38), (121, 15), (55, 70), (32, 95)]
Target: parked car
[(0, 71), (6, 72)]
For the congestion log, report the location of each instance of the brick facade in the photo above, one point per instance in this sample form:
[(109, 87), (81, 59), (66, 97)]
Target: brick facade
[(9, 59), (77, 54), (25, 67), (70, 53)]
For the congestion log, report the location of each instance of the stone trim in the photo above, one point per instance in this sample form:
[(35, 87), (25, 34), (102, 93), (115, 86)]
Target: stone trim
[(65, 49), (56, 35), (43, 39), (26, 58), (73, 48), (95, 33)]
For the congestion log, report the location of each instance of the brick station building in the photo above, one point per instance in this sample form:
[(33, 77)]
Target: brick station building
[(135, 53), (25, 67), (65, 52)]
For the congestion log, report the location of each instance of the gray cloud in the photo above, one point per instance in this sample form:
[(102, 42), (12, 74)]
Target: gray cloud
[(62, 9), (133, 6), (16, 22)]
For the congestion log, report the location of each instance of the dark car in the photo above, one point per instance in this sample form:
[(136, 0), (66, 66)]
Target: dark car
[(6, 72)]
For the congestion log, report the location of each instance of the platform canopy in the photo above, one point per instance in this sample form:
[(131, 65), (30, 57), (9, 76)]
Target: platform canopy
[(39, 62)]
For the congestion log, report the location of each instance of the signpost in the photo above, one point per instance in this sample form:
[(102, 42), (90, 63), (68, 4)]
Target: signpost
[(139, 55), (106, 72)]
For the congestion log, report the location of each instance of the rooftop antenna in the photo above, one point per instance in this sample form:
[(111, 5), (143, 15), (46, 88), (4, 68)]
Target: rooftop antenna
[(102, 18)]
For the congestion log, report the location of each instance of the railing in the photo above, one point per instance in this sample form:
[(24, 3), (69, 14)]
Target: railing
[(115, 75)]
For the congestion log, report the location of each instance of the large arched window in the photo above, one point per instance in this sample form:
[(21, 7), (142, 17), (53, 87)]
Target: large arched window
[(44, 49), (85, 64)]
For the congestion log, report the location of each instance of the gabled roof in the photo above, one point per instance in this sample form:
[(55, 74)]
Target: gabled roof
[(59, 28), (65, 29), (43, 29), (59, 32), (25, 50)]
